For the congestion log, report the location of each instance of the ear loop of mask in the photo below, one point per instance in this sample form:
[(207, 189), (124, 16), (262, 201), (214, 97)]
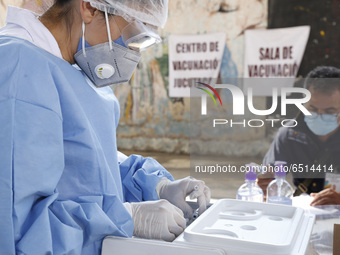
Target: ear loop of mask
[(120, 32), (83, 41), (108, 32), (108, 28)]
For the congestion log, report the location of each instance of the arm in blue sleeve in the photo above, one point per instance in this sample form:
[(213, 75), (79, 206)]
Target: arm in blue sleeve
[(140, 177), (32, 219), (279, 149)]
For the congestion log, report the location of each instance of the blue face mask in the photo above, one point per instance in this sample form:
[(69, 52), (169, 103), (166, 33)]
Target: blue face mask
[(118, 41), (320, 127)]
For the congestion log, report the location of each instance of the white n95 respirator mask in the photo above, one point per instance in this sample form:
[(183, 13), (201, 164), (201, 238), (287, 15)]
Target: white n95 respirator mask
[(107, 63)]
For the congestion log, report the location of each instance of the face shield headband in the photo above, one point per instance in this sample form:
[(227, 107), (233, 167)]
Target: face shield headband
[(107, 63), (139, 37)]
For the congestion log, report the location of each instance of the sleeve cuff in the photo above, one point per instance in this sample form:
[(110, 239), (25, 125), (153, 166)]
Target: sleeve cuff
[(128, 207)]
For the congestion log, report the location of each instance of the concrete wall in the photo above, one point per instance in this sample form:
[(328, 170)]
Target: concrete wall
[(150, 120)]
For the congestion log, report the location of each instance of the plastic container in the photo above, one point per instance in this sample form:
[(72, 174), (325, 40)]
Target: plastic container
[(279, 190), (250, 191), (230, 227), (113, 245), (249, 228)]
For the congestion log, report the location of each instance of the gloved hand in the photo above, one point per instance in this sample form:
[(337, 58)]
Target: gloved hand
[(176, 192), (156, 220), (322, 242)]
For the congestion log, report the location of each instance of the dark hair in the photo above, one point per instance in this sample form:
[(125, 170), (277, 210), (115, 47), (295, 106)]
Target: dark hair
[(60, 11), (61, 2), (323, 79), (64, 8)]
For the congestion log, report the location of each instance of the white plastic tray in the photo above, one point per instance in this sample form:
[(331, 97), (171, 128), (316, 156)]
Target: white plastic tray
[(240, 227), (230, 227), (113, 245)]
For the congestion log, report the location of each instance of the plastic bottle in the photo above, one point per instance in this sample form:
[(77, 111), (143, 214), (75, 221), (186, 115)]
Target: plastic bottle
[(250, 191), (279, 190)]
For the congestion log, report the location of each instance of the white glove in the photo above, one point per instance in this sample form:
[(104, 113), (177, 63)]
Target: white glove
[(156, 220), (176, 192), (325, 238)]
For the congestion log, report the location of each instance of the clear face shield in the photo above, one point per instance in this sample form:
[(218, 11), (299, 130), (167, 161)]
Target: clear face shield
[(139, 37), (111, 63)]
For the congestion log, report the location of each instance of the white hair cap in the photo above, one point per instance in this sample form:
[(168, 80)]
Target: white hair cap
[(153, 12)]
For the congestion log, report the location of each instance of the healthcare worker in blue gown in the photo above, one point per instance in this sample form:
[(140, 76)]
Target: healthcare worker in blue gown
[(62, 189)]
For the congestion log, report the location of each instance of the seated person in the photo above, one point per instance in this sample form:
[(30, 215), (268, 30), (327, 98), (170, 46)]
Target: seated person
[(314, 141)]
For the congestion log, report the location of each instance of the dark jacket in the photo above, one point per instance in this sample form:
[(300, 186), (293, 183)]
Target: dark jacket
[(306, 156)]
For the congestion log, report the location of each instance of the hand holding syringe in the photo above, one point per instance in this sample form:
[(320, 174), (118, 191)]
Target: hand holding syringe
[(177, 191)]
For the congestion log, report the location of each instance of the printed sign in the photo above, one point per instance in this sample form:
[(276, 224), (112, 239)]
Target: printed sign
[(273, 53), (193, 58)]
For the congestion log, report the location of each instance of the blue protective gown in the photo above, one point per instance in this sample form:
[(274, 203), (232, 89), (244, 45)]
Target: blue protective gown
[(61, 188)]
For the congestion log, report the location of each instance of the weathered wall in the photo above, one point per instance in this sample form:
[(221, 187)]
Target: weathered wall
[(150, 120)]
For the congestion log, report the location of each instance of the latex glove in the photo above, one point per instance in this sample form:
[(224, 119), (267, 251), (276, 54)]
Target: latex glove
[(176, 192), (325, 238), (156, 220), (322, 242)]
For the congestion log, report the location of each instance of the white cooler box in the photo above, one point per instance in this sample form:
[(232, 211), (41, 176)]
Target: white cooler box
[(230, 227)]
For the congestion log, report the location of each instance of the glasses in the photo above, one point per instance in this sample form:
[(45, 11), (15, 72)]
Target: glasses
[(324, 116), (139, 37)]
